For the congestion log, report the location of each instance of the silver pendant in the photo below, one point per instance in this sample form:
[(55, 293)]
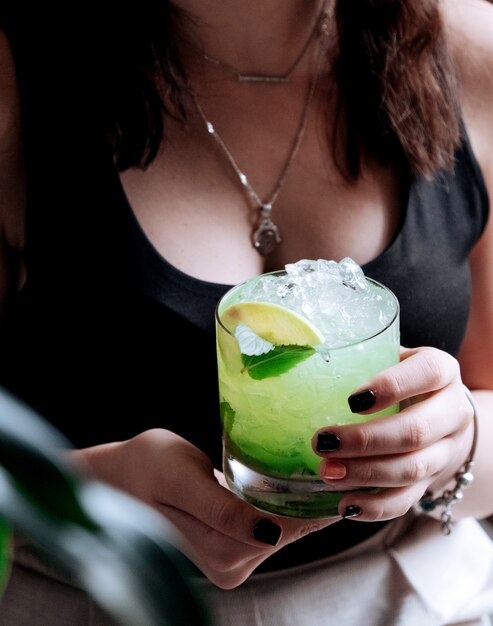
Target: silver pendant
[(266, 236)]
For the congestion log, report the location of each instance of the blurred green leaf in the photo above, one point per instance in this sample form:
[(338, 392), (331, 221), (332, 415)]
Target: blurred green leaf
[(123, 553)]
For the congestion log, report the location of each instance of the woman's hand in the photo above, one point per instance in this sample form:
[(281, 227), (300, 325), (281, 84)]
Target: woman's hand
[(408, 453), (227, 538)]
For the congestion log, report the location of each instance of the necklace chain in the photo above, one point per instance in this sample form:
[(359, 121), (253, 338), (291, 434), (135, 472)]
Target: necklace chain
[(320, 27), (266, 236)]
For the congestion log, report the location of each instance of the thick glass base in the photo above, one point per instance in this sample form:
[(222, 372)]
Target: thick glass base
[(289, 497)]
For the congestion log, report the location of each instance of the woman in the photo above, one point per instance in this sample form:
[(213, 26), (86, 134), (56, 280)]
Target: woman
[(369, 131)]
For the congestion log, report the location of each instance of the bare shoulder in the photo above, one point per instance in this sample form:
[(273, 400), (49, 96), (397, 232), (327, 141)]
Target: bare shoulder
[(469, 25), (11, 167)]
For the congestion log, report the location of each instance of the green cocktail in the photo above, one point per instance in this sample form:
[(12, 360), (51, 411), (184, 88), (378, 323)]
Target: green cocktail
[(292, 346)]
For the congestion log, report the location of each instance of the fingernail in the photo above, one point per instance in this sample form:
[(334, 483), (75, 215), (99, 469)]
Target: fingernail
[(334, 470), (267, 532), (328, 442), (362, 401), (352, 511)]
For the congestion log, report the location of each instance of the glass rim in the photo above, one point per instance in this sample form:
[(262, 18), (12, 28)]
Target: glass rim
[(331, 349)]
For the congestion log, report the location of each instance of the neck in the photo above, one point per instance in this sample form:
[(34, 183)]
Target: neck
[(251, 35)]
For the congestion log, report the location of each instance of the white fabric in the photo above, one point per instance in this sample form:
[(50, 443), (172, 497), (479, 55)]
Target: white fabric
[(446, 571), (409, 574)]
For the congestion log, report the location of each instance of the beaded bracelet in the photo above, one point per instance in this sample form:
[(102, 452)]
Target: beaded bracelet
[(463, 479)]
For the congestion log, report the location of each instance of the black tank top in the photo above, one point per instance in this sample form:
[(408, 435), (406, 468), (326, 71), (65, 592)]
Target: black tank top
[(106, 335)]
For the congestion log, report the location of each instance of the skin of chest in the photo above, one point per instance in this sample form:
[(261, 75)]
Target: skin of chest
[(195, 212)]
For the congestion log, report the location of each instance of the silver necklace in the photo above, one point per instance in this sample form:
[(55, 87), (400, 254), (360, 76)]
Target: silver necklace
[(266, 236), (320, 28)]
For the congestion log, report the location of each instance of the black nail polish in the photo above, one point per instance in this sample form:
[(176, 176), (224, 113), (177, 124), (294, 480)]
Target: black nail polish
[(267, 532), (328, 442), (362, 401), (352, 511)]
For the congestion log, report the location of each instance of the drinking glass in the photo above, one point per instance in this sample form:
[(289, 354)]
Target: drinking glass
[(271, 404)]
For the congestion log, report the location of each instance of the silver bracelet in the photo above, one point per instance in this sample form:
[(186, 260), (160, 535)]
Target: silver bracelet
[(463, 479)]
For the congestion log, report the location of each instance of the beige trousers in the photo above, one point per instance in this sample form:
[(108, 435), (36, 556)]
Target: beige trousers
[(406, 575), (409, 574), (38, 595)]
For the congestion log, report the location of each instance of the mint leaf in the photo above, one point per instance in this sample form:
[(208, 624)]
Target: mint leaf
[(228, 415), (276, 362)]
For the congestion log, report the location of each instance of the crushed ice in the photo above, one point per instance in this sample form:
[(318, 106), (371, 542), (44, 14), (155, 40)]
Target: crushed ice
[(335, 297)]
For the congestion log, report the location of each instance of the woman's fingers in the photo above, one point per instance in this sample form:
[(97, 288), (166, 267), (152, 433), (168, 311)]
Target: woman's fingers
[(417, 426), (403, 453), (227, 552), (219, 509), (224, 560), (420, 371), (184, 479), (390, 470), (388, 504), (226, 537)]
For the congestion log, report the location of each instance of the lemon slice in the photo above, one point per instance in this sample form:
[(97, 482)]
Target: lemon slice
[(273, 322)]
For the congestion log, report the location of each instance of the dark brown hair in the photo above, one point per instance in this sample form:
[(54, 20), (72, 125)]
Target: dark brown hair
[(137, 50), (396, 92)]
